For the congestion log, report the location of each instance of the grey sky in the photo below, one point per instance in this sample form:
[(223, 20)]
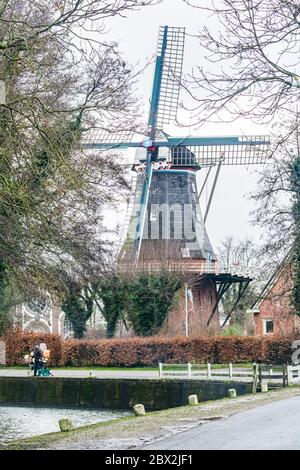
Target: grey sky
[(137, 35)]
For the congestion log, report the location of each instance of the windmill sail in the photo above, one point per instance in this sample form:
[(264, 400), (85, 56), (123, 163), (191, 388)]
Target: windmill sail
[(245, 150), (164, 225), (171, 73), (102, 139)]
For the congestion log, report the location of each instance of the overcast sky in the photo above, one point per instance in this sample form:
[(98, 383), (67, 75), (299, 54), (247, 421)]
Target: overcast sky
[(137, 35)]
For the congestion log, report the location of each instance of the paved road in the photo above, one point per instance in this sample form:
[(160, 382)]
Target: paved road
[(275, 426)]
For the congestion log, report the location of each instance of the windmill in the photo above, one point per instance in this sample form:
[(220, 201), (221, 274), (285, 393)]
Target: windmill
[(165, 226)]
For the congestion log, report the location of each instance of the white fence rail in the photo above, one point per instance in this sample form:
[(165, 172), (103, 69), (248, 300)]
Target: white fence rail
[(273, 375), (206, 371)]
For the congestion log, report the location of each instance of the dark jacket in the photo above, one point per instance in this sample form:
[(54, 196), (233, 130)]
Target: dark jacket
[(37, 354)]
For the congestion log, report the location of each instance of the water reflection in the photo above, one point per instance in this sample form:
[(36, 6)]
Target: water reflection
[(19, 422)]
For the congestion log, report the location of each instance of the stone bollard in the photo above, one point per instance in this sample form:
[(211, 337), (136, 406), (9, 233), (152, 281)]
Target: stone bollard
[(65, 425), (139, 410), (232, 393), (193, 400), (264, 387)]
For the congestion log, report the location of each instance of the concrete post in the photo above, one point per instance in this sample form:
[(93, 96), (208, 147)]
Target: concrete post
[(189, 370), (230, 371), (65, 424), (232, 393), (264, 387), (139, 410), (193, 400)]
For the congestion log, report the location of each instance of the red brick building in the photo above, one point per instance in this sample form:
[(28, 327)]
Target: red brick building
[(202, 304), (273, 311)]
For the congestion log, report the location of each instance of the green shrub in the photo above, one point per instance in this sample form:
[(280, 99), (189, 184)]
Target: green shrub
[(233, 330)]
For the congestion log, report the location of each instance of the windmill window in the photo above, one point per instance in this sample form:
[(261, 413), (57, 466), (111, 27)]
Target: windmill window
[(185, 253), (153, 216), (268, 326)]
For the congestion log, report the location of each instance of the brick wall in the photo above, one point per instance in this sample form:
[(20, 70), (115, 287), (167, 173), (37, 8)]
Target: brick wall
[(277, 306), (204, 298)]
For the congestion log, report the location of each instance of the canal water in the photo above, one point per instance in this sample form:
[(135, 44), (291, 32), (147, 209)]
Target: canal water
[(18, 422)]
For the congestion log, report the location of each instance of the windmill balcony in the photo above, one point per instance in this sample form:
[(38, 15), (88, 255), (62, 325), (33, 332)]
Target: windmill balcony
[(195, 266)]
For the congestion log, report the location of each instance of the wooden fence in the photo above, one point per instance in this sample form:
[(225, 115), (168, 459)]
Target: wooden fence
[(206, 371), (273, 375)]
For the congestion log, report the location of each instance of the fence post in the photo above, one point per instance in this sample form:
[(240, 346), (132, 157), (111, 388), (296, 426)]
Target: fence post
[(230, 371), (190, 370), (289, 375), (255, 377), (270, 372), (160, 370), (208, 371), (260, 374)]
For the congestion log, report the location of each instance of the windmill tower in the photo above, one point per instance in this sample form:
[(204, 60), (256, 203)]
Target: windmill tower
[(166, 229)]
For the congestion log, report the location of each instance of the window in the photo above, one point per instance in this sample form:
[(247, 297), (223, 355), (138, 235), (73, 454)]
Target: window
[(185, 253), (153, 216), (268, 326)]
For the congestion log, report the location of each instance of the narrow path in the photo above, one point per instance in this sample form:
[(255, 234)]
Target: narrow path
[(273, 426), (118, 374), (104, 374)]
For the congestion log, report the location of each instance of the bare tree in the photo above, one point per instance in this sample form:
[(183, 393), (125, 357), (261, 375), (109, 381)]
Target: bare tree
[(241, 258), (253, 56), (61, 76), (253, 61), (276, 193)]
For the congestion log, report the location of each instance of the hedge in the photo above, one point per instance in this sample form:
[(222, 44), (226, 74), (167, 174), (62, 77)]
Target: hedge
[(19, 342), (150, 351)]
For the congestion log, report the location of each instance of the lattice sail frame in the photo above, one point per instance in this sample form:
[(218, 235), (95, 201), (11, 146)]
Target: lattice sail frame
[(249, 152), (171, 74), (193, 151), (112, 139)]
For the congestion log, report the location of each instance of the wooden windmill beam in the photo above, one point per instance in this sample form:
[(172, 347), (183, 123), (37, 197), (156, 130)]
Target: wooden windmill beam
[(242, 289), (224, 281), (223, 288), (213, 189)]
